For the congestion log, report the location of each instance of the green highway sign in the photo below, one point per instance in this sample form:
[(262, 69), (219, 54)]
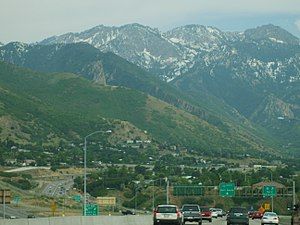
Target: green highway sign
[(77, 198), (227, 189), (181, 190), (269, 191), (92, 210), (16, 199)]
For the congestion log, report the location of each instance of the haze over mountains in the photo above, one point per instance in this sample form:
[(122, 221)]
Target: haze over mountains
[(245, 85)]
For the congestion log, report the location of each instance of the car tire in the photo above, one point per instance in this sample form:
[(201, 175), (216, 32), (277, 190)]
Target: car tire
[(210, 220), (200, 223)]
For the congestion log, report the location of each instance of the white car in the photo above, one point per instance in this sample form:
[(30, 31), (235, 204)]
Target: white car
[(167, 214), (214, 212), (270, 218)]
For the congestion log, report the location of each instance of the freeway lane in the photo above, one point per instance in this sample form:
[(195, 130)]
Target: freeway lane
[(58, 188), (10, 211)]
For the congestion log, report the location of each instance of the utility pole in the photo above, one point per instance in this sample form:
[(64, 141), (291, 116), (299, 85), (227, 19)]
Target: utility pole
[(167, 191), (4, 204), (84, 179), (294, 193), (272, 198), (153, 200)]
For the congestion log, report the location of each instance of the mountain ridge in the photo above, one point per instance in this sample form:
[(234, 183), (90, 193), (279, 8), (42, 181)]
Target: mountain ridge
[(67, 105)]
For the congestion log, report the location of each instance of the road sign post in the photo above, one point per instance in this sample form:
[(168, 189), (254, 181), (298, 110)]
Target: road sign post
[(77, 198), (91, 210), (16, 199), (180, 190), (269, 191), (53, 207), (227, 189)]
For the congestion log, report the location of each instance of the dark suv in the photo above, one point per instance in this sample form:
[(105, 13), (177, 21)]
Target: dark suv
[(238, 215), (191, 213)]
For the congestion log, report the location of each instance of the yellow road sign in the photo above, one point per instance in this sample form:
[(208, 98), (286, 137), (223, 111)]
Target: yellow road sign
[(106, 201), (53, 206), (261, 209), (267, 206)]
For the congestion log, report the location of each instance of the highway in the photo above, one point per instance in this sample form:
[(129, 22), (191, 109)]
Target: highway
[(107, 220), (58, 188), (12, 212)]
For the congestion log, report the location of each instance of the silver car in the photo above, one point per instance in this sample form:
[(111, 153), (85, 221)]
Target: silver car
[(169, 214), (270, 218)]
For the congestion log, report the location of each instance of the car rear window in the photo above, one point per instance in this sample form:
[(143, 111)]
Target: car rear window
[(270, 214), (238, 210), (190, 208), (204, 209), (166, 209)]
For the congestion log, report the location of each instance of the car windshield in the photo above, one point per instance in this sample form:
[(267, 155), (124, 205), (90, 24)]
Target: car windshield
[(190, 208), (238, 210), (205, 209), (166, 209)]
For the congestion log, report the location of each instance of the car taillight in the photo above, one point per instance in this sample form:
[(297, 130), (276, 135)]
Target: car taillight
[(154, 213), (178, 213)]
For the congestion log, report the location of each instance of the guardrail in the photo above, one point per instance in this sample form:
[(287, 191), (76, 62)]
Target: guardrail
[(80, 220)]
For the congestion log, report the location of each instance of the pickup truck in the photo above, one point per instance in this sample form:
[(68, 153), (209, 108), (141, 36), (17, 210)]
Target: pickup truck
[(191, 213)]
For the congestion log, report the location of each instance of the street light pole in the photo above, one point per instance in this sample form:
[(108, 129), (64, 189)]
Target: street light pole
[(294, 193), (272, 199), (167, 191), (153, 199), (84, 179)]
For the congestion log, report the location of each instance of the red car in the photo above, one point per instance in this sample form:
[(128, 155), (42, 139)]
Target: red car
[(257, 215), (206, 213)]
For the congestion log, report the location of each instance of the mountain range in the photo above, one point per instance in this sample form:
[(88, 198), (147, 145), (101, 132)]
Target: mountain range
[(244, 84), (249, 71)]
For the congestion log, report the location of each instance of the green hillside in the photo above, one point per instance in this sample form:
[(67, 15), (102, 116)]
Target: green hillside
[(107, 68), (38, 107)]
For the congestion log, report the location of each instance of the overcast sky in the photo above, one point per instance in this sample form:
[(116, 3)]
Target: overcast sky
[(34, 20)]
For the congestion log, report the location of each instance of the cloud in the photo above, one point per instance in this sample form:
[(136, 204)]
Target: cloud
[(32, 20)]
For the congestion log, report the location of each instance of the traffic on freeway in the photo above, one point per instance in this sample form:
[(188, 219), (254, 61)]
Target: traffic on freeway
[(58, 188)]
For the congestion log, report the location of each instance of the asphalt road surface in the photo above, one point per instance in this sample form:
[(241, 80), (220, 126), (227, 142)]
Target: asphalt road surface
[(58, 188), (12, 212)]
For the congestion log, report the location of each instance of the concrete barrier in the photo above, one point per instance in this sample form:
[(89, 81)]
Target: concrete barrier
[(79, 220)]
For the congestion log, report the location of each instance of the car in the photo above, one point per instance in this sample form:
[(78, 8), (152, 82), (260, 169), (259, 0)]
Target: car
[(214, 213), (270, 218), (250, 213), (191, 213), (220, 212), (238, 215), (169, 214), (12, 217), (30, 216), (128, 212), (257, 215), (206, 213)]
